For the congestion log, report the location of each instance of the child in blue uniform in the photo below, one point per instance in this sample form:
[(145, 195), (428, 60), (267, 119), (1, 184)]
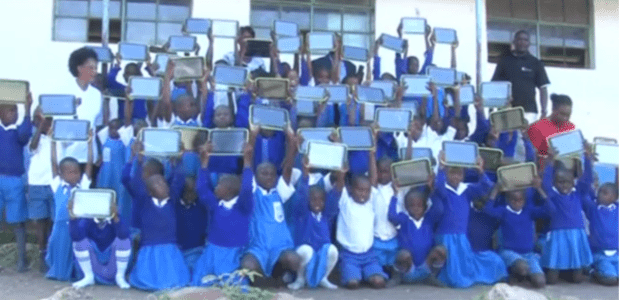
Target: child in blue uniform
[(113, 155), (191, 222), (419, 259), (12, 197), (102, 249), (270, 239), (481, 227), (315, 218), (603, 217), (517, 227), (463, 267), (566, 248), (231, 202), (158, 236), (67, 177)]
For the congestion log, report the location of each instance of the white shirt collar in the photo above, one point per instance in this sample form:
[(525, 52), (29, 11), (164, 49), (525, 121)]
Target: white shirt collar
[(162, 203), (611, 206), (317, 216), (265, 192), (556, 190), (105, 221), (230, 203), (459, 190), (181, 122), (418, 223), (513, 211), (10, 127)]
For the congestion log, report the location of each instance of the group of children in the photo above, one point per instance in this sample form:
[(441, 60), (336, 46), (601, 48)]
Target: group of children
[(196, 218)]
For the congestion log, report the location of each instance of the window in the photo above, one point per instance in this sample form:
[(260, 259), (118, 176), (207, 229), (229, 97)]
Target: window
[(352, 19), (148, 22), (559, 30)]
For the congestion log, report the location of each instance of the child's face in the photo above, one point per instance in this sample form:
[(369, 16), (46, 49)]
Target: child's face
[(416, 206), (71, 173), (461, 131), (491, 141), (606, 195), (384, 175), (266, 176), (323, 77), (46, 124), (113, 129), (516, 200), (417, 129), (352, 81), (413, 65), (137, 126), (361, 190), (564, 181), (303, 122), (437, 124), (186, 108), (293, 77), (131, 70), (266, 133), (455, 176), (189, 191), (158, 188), (317, 201), (8, 114), (223, 117)]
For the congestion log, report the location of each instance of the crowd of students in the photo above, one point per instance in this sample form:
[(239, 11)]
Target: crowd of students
[(187, 220)]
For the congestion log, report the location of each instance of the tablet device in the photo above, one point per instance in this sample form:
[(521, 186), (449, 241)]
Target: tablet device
[(269, 117), (460, 154), (320, 41), (224, 28), (337, 93), (442, 77), (467, 94), (445, 35), (197, 26), (258, 48), (415, 85), (567, 143), (496, 93), (492, 158), (92, 203), (13, 91), (313, 134), (161, 142), (355, 53), (147, 88), (393, 119), (133, 52), (412, 173), (228, 141), (366, 94), (606, 173), (192, 137), (388, 87), (188, 68), (327, 156), (161, 59), (182, 43), (357, 138), (288, 44), (104, 54), (393, 43), (508, 119), (282, 28), (305, 108), (605, 140), (418, 152), (517, 177), (273, 88), (232, 76), (310, 93), (607, 153), (71, 130), (413, 25), (57, 105)]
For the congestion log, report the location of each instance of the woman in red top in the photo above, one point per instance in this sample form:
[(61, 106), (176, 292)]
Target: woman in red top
[(556, 123)]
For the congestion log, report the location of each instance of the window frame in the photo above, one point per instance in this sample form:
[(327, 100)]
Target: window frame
[(538, 22)]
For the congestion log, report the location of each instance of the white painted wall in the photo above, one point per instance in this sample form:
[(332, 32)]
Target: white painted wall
[(44, 63)]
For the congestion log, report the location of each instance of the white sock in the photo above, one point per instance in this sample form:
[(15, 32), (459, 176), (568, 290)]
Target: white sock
[(122, 259), (83, 258), (305, 252), (332, 259)]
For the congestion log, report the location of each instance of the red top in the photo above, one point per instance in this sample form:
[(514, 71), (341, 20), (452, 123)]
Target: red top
[(541, 130)]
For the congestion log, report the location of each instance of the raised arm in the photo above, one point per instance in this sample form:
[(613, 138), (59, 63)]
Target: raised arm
[(291, 152), (55, 170), (484, 184), (205, 195), (89, 163), (492, 210), (178, 181), (34, 143), (372, 161), (209, 55), (584, 184), (376, 68), (547, 181), (24, 130), (246, 198), (208, 110), (393, 216)]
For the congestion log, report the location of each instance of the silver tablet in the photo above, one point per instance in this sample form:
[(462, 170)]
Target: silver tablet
[(412, 172), (181, 43), (188, 68), (273, 88), (467, 94), (366, 94), (320, 41), (492, 158), (460, 154), (147, 88), (13, 91), (393, 119), (508, 119), (607, 153), (413, 25), (415, 85), (133, 52), (388, 87), (567, 143), (517, 177), (288, 44), (355, 53), (190, 135), (327, 156), (496, 93), (445, 35), (197, 26), (337, 93), (269, 117), (57, 105), (228, 141), (393, 43), (71, 130), (313, 134), (104, 54), (305, 108), (418, 152), (311, 93), (282, 28), (232, 76), (224, 28), (357, 138), (161, 142), (161, 59), (442, 77), (93, 203)]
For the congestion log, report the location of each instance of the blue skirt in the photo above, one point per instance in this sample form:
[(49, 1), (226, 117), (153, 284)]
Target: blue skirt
[(317, 267), (59, 257), (216, 260), (159, 267), (191, 256), (465, 268), (386, 251), (566, 249)]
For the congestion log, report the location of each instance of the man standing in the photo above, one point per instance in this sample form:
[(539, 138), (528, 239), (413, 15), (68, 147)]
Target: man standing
[(526, 73)]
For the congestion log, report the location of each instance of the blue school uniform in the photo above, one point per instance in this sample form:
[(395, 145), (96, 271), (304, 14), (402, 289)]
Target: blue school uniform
[(480, 230), (160, 264), (110, 175), (464, 267), (269, 235), (139, 106), (241, 118), (416, 236), (270, 149), (12, 182), (566, 245), (483, 127), (603, 236), (508, 146), (229, 223), (191, 230)]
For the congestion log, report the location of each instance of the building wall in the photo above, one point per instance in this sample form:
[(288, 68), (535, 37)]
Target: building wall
[(35, 57)]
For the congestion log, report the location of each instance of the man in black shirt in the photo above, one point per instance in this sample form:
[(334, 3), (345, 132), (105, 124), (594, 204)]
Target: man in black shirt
[(526, 73)]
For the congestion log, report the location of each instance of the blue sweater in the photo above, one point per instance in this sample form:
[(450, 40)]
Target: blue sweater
[(135, 186), (603, 225), (509, 146), (139, 106), (190, 220), (308, 230), (227, 227), (12, 153), (103, 237), (480, 230), (401, 65), (276, 149), (418, 241), (241, 118), (456, 207), (568, 207)]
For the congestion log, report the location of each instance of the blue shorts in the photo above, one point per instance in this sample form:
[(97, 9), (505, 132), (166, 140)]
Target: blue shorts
[(532, 259), (40, 202), (267, 257), (13, 199), (358, 267), (385, 250), (606, 266)]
